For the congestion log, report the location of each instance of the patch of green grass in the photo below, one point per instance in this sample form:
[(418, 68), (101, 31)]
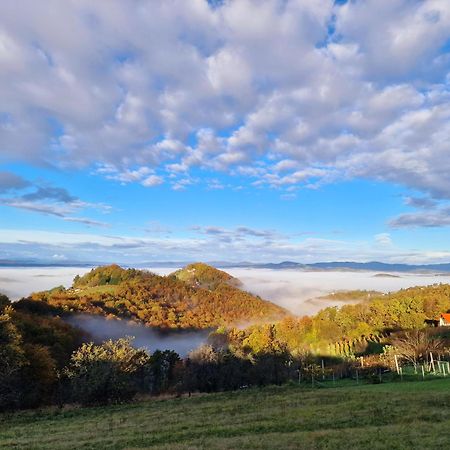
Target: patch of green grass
[(103, 289), (397, 415)]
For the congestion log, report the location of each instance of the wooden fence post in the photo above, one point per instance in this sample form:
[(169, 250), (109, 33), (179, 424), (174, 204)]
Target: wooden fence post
[(432, 363), (396, 364)]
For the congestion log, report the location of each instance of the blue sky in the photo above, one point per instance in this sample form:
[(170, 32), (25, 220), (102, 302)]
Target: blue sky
[(139, 131)]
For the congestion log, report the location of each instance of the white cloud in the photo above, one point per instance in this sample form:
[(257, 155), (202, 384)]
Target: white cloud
[(147, 89), (212, 243), (152, 180), (383, 239), (143, 175)]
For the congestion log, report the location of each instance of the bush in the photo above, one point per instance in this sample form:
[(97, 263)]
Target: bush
[(107, 373)]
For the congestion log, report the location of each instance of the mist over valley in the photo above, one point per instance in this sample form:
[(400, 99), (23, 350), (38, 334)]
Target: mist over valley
[(151, 339), (296, 290)]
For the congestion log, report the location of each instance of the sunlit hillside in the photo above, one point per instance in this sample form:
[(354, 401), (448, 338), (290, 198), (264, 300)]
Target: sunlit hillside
[(198, 296)]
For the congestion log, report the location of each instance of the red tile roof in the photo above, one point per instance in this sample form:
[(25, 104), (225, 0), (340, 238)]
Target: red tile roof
[(446, 317)]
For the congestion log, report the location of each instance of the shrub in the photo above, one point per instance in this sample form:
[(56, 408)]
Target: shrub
[(106, 373)]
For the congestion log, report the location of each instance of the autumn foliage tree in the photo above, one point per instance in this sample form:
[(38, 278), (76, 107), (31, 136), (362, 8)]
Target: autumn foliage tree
[(106, 373), (12, 360), (207, 300)]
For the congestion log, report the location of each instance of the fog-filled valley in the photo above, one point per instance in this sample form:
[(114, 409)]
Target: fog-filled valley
[(101, 329), (296, 290), (115, 332), (299, 291)]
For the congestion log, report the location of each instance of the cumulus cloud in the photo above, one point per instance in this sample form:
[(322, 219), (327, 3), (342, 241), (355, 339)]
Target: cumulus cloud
[(143, 175), (286, 93)]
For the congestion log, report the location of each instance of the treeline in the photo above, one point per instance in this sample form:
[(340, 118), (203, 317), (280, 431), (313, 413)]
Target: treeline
[(46, 361), (34, 348), (351, 329), (163, 302), (105, 275)]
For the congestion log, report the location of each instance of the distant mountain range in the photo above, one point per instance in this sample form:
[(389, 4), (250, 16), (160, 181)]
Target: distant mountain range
[(319, 266), (351, 265)]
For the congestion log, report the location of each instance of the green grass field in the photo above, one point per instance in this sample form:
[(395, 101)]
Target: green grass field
[(387, 416)]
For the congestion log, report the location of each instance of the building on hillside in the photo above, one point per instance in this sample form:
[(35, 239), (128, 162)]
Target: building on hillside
[(444, 320)]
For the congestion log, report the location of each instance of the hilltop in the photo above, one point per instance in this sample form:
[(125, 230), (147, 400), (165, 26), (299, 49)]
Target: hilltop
[(205, 276), (198, 296)]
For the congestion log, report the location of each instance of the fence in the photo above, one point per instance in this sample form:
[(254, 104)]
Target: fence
[(358, 372)]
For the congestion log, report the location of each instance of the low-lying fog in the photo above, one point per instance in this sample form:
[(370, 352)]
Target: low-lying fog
[(18, 282), (298, 291), (102, 329), (295, 290)]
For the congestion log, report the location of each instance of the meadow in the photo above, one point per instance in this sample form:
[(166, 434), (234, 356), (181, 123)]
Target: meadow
[(396, 415)]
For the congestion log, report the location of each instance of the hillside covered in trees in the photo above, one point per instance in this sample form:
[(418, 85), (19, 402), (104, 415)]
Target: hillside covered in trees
[(204, 276), (35, 345), (198, 296), (347, 330), (45, 360)]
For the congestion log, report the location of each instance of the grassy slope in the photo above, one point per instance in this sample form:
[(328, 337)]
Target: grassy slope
[(395, 416)]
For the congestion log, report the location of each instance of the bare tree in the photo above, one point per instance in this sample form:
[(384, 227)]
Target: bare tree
[(415, 346)]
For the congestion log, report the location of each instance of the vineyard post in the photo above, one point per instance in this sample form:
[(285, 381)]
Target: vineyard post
[(396, 364), (423, 372), (432, 363), (323, 370)]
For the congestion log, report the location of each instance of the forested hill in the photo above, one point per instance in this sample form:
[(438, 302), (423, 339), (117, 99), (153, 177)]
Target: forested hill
[(357, 326), (198, 296), (205, 276)]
